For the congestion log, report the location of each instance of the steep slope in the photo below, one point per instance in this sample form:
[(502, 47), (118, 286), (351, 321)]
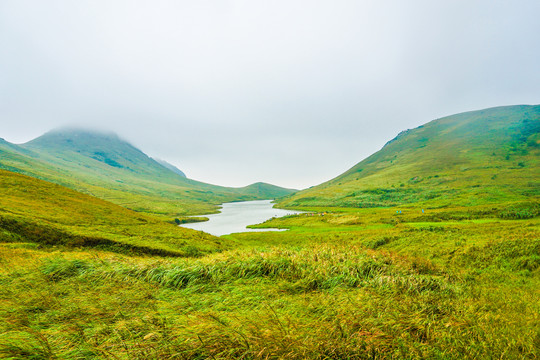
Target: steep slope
[(106, 153), (171, 167), (33, 210), (105, 166), (485, 156)]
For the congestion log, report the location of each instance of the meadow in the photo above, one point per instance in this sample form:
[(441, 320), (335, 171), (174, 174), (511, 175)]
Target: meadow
[(341, 284), (52, 215)]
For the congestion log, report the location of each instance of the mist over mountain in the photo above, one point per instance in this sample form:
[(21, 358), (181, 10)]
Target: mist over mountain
[(105, 147), (103, 164)]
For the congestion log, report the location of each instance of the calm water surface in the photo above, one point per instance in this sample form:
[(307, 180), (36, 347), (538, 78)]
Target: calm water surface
[(234, 217)]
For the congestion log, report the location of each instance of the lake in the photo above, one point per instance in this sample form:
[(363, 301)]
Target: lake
[(235, 216)]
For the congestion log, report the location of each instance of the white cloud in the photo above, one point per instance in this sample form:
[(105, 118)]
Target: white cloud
[(290, 92)]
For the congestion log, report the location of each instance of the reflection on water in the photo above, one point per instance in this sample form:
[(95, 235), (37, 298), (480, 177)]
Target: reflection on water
[(234, 217)]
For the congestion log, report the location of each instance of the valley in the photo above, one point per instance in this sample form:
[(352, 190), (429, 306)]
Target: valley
[(429, 248), (103, 165)]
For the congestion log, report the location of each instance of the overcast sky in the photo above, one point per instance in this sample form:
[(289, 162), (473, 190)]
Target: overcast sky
[(284, 91)]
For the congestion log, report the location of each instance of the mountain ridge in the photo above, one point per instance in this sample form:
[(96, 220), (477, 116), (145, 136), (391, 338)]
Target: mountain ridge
[(170, 166), (106, 166), (471, 157), (105, 147)]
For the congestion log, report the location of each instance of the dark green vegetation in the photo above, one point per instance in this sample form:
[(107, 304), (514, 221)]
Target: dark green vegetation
[(105, 166), (83, 278), (479, 157)]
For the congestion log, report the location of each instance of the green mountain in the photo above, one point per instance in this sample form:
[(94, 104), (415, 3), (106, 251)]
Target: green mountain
[(477, 157), (103, 165), (74, 147)]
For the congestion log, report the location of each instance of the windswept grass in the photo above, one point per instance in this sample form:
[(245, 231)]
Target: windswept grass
[(323, 290)]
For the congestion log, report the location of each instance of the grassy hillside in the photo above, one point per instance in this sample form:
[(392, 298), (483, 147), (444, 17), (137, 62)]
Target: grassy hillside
[(105, 166), (477, 157), (49, 214)]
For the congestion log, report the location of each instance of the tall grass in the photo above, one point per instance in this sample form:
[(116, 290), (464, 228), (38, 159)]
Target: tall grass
[(352, 284), (325, 301)]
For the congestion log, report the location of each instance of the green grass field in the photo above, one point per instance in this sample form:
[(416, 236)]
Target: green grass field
[(52, 215), (350, 284), (446, 266)]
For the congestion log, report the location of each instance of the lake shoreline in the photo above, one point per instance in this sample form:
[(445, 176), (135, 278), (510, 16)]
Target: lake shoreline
[(235, 217)]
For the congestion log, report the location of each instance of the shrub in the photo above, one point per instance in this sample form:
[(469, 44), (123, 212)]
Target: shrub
[(521, 211)]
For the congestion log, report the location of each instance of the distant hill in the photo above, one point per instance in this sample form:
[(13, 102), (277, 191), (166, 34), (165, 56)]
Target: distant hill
[(171, 167), (104, 165), (476, 157), (267, 191)]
